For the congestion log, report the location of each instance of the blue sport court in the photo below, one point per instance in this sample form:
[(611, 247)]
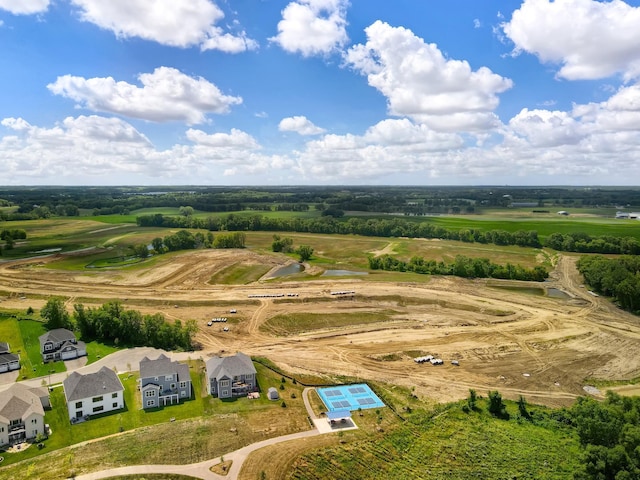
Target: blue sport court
[(349, 397)]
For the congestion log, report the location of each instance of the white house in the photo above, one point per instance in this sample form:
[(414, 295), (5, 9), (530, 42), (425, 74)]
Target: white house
[(22, 413), (93, 393)]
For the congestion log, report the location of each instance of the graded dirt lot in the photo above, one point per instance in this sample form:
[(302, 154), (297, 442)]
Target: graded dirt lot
[(519, 343)]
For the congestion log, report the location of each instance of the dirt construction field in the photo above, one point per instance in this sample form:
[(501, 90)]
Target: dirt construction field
[(507, 339)]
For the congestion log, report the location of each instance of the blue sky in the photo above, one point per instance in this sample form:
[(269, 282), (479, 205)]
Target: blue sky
[(281, 92)]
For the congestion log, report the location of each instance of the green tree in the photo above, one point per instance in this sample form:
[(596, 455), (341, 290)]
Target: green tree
[(305, 252), (56, 315), (497, 407), (157, 244), (186, 211)]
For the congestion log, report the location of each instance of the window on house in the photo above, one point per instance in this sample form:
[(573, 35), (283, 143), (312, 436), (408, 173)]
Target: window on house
[(1, 429), (173, 386), (150, 393), (150, 403), (168, 378), (35, 432), (183, 384), (183, 393), (78, 404), (225, 393), (114, 395), (96, 399), (115, 405), (99, 408)]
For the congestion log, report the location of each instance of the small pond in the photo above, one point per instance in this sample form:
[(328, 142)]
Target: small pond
[(287, 270), (555, 293), (539, 292), (341, 273)]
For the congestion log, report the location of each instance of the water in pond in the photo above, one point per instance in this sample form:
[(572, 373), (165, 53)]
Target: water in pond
[(528, 290), (340, 273), (555, 293), (287, 270)]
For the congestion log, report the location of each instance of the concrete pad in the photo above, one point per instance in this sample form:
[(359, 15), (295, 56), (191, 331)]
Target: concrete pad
[(324, 426)]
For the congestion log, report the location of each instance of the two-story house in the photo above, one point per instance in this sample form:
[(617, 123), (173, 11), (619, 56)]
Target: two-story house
[(22, 413), (93, 393), (163, 382), (61, 344), (8, 361), (229, 377)]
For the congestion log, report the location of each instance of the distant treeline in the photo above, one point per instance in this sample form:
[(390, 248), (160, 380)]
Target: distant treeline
[(614, 277), (583, 243), (397, 227), (410, 200), (461, 267)]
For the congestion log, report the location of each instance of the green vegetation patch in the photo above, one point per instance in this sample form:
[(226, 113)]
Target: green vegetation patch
[(294, 323), (239, 274), (450, 444)]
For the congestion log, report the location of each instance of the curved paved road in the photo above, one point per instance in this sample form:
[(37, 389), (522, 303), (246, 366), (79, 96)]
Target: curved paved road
[(202, 469)]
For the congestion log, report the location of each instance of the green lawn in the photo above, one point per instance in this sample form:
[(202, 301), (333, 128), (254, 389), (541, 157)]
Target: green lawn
[(30, 330), (134, 418), (238, 274)]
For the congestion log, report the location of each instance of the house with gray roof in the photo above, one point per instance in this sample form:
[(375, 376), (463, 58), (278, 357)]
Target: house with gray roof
[(163, 382), (8, 361), (93, 393), (229, 377), (22, 413), (61, 344)]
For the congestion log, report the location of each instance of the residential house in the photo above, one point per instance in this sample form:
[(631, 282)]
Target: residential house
[(22, 413), (61, 344), (163, 382), (232, 376), (8, 361), (93, 393)]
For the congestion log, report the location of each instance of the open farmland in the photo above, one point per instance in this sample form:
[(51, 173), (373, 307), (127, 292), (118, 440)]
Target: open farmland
[(508, 339)]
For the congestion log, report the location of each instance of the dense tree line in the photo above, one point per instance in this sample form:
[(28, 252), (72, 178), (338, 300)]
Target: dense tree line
[(399, 227), (584, 243), (461, 267), (614, 277), (112, 323), (410, 200), (609, 431), (396, 227)]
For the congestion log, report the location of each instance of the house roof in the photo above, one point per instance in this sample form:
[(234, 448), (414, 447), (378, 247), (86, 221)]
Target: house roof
[(238, 364), (18, 402), (102, 382), (4, 347), (8, 358), (57, 335), (163, 366)]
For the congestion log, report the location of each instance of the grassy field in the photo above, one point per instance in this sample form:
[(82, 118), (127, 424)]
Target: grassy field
[(238, 274), (449, 444), (545, 226), (203, 427), (295, 323)]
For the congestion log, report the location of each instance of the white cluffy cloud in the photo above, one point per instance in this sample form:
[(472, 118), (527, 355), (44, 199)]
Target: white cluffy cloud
[(24, 7), (98, 150), (590, 39), (313, 27), (177, 23), (420, 83), (166, 95), (299, 124)]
